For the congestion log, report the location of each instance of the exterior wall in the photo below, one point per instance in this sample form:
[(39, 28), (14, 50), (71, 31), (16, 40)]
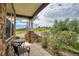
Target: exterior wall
[(5, 47), (2, 22), (9, 49)]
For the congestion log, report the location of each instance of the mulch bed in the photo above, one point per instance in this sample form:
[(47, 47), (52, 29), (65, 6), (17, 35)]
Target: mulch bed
[(49, 50)]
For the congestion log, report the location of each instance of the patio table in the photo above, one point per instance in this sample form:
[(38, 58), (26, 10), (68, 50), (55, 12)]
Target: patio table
[(17, 43)]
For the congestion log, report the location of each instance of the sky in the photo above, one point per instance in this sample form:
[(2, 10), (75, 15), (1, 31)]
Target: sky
[(52, 12)]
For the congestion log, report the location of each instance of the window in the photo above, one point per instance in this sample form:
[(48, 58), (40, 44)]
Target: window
[(8, 28), (9, 22)]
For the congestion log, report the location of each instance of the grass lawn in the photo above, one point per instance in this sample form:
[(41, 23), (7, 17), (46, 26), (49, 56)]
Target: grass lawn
[(20, 31)]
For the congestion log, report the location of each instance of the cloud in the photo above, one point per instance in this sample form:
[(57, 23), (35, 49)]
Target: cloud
[(57, 11), (64, 11), (19, 23), (43, 22), (21, 20)]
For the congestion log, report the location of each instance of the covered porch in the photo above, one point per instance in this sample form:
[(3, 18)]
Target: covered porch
[(11, 11)]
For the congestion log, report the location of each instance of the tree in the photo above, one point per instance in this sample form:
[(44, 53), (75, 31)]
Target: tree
[(65, 25), (60, 26), (54, 28), (74, 25)]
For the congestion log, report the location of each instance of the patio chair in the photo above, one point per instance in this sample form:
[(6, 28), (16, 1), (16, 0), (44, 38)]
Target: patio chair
[(21, 49), (26, 46), (15, 50)]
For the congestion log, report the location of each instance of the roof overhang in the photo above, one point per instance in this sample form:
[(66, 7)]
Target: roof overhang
[(28, 10)]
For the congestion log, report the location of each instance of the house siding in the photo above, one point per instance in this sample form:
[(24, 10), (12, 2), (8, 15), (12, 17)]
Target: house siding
[(2, 22)]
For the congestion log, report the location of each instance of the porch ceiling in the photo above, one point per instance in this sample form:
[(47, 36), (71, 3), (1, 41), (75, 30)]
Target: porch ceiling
[(28, 10)]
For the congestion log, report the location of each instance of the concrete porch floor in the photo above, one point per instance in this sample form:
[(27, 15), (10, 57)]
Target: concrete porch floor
[(36, 50)]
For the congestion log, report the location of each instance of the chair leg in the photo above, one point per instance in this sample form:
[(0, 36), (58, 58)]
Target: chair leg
[(16, 50), (23, 51), (29, 52), (14, 53)]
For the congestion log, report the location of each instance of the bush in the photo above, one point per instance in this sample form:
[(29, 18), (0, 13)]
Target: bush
[(44, 41), (76, 45), (63, 37), (66, 37), (17, 37)]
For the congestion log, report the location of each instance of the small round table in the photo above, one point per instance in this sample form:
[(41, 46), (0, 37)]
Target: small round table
[(19, 41)]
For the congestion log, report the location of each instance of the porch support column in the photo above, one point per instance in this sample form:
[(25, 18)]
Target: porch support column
[(27, 25), (30, 25)]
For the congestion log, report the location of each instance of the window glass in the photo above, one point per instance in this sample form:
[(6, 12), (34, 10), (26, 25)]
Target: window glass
[(9, 22)]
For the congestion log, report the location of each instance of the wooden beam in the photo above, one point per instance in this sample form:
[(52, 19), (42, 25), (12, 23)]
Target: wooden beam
[(14, 29), (40, 8), (23, 16)]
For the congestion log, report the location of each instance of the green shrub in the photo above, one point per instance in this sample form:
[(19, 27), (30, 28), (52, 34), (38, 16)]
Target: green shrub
[(44, 41), (63, 37), (55, 44), (17, 37), (76, 45), (74, 49), (66, 37)]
